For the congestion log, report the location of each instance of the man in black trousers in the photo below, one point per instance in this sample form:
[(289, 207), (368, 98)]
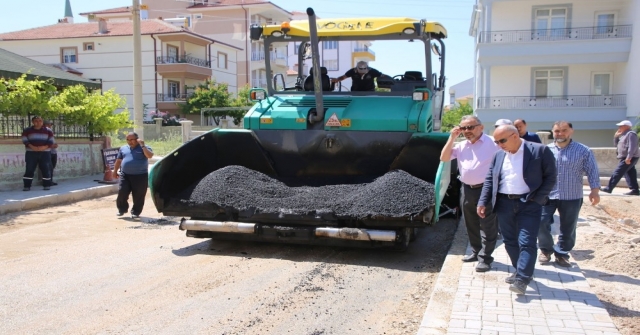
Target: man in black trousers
[(133, 162)]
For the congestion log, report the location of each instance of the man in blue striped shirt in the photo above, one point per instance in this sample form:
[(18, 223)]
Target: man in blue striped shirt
[(38, 140), (573, 160)]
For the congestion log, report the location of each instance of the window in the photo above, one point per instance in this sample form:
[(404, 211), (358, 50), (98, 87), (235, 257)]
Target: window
[(329, 45), (88, 46), (69, 55), (549, 83), (551, 22), (601, 83), (174, 90), (605, 23), (222, 60), (172, 54), (296, 46), (197, 16), (330, 64)]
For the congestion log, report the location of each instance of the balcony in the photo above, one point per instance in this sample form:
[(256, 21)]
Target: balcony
[(587, 33), (184, 66), (173, 97), (569, 101), (183, 59), (364, 53), (262, 83), (584, 111), (610, 44)]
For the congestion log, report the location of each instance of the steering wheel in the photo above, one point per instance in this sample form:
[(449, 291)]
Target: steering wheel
[(400, 77)]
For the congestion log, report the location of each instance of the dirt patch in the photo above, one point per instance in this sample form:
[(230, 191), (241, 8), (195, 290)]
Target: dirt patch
[(608, 253)]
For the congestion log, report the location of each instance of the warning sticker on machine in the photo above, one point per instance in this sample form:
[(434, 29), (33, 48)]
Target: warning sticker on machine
[(333, 121)]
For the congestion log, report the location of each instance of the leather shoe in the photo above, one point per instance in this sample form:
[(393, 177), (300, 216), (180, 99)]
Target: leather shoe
[(518, 287), (470, 258), (563, 262), (544, 258), (511, 279), (632, 192), (483, 267), (605, 189)]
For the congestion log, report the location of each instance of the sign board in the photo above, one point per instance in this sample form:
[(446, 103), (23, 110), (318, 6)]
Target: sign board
[(109, 157), (333, 121)]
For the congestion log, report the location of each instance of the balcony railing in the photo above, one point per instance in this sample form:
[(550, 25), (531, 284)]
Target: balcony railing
[(259, 83), (259, 55), (183, 59), (568, 101), (564, 34), (364, 49), (173, 97)]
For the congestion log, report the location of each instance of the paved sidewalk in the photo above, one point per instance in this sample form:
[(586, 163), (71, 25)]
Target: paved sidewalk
[(68, 190), (558, 300)]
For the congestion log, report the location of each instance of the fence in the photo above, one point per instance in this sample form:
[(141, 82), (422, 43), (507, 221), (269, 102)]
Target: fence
[(11, 126)]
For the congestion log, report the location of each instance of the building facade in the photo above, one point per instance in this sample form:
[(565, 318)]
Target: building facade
[(550, 60), (173, 59)]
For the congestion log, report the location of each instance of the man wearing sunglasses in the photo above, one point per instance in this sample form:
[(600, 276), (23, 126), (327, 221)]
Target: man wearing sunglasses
[(521, 176), (361, 77), (474, 156)]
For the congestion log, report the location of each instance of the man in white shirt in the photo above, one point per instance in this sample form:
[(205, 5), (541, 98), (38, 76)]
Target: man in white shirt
[(518, 184)]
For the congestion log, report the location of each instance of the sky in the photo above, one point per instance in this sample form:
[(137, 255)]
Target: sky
[(455, 15)]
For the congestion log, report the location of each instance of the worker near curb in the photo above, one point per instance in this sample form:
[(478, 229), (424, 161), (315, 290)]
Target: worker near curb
[(133, 162), (37, 140), (474, 156), (626, 142)]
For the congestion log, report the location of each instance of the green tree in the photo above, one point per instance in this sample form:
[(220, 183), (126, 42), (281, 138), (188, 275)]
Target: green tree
[(24, 97), (452, 118), (212, 94), (79, 106)]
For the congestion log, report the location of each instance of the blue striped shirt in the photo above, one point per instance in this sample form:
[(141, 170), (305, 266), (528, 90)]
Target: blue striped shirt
[(573, 161)]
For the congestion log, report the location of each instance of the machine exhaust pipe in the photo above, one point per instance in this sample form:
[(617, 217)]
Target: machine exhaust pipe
[(357, 234), (315, 61), (218, 226)]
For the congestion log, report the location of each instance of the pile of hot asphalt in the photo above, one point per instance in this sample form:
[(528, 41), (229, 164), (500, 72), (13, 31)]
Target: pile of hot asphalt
[(396, 194)]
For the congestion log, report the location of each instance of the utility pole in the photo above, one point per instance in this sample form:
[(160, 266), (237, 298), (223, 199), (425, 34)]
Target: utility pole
[(137, 72)]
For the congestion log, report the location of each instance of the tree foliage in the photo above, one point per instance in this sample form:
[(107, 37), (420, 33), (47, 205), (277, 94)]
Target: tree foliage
[(212, 94), (24, 97), (79, 106), (452, 118)]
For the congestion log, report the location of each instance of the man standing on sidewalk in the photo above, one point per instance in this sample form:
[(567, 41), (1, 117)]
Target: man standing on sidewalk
[(518, 183), (38, 140), (573, 160), (133, 160), (626, 142), (474, 156)]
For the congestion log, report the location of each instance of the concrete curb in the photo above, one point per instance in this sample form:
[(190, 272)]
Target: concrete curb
[(438, 313), (58, 198)]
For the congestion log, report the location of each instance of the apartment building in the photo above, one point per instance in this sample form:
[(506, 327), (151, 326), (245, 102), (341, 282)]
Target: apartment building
[(336, 56), (550, 60), (174, 59)]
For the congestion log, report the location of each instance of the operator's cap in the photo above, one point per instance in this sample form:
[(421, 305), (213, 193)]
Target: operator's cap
[(503, 122), (625, 123)]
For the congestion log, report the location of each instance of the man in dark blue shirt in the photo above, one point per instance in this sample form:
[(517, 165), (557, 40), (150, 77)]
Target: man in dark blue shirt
[(521, 125), (133, 162), (38, 141)]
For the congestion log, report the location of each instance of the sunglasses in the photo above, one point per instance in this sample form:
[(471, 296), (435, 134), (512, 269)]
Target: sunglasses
[(502, 141), (468, 127)]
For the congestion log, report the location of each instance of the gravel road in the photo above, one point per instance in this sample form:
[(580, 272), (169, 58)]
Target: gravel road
[(78, 269)]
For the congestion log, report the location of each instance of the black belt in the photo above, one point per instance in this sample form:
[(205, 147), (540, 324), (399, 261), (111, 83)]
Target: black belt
[(473, 186), (513, 196)]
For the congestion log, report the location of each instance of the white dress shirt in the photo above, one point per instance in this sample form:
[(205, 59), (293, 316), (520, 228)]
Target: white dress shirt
[(511, 175)]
